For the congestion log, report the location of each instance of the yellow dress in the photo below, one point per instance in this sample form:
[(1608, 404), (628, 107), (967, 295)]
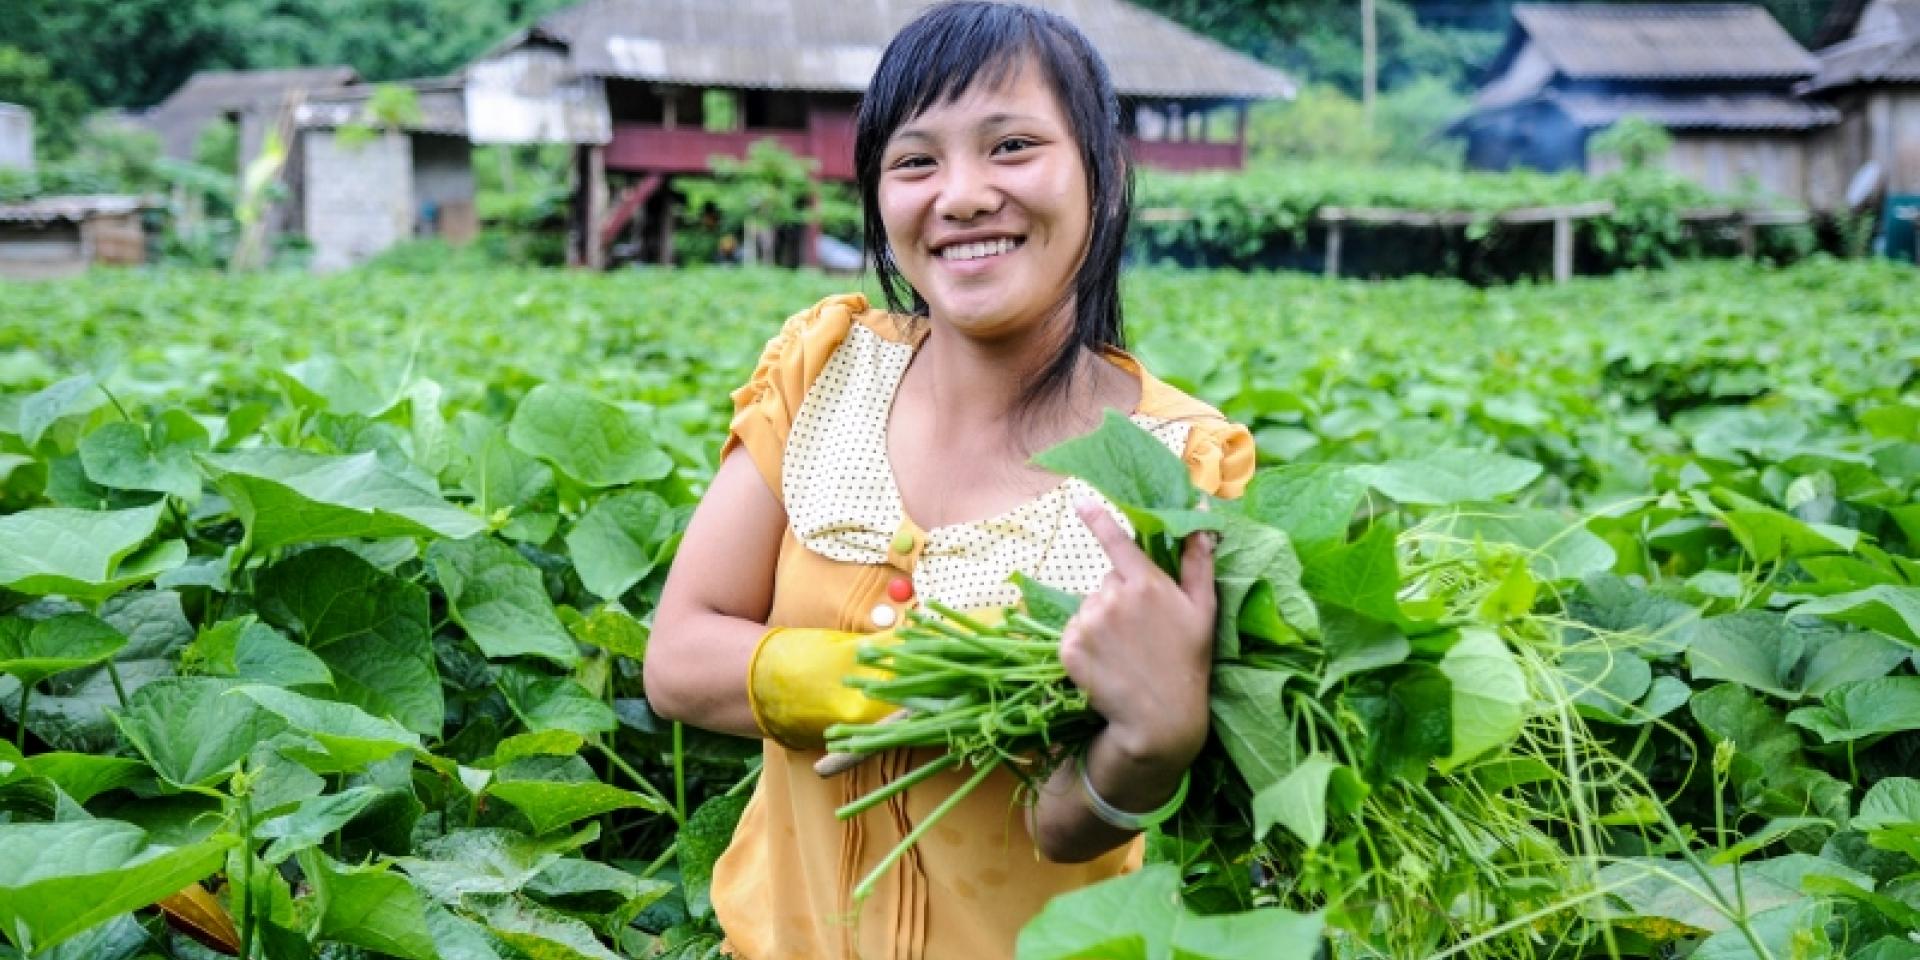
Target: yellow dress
[(813, 420)]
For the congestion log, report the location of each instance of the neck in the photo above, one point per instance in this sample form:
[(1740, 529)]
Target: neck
[(977, 385)]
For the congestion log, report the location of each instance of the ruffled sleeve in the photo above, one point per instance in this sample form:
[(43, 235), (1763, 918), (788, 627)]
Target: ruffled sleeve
[(764, 407), (1220, 457)]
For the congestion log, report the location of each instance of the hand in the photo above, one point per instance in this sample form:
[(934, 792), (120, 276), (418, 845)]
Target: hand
[(1142, 647), (795, 684)]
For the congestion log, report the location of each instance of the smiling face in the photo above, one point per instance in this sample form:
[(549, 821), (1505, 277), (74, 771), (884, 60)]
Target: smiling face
[(985, 202)]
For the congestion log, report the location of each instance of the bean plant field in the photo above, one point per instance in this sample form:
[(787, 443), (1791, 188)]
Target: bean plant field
[(1560, 622)]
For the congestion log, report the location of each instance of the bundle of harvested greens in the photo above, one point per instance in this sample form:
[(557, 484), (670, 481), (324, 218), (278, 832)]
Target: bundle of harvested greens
[(1411, 739)]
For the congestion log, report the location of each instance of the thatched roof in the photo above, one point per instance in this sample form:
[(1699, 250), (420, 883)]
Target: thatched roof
[(1884, 47), (833, 45), (1658, 42)]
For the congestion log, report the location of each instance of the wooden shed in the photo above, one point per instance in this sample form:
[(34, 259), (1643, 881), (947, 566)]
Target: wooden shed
[(350, 200), (1720, 78), (1872, 76), (62, 236), (647, 89)]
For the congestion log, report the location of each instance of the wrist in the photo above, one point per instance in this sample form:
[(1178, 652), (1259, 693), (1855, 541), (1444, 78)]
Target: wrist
[(1155, 751)]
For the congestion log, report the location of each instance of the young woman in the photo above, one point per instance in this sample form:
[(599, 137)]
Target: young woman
[(880, 458)]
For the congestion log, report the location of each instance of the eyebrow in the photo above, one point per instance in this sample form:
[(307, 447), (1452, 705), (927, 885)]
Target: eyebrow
[(986, 123)]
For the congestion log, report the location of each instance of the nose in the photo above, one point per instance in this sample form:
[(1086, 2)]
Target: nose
[(967, 192)]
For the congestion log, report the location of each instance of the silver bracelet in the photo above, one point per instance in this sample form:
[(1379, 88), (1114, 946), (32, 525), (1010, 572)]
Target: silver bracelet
[(1122, 820)]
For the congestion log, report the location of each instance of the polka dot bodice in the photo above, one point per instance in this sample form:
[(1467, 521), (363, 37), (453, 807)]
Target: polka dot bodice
[(842, 503)]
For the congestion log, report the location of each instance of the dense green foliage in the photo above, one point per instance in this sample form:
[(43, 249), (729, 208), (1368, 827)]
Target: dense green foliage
[(1263, 217), (312, 590)]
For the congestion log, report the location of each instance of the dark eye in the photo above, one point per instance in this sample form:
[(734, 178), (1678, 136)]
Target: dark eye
[(1013, 145), (911, 161)]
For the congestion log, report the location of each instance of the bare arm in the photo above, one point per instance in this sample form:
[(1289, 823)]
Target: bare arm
[(714, 608)]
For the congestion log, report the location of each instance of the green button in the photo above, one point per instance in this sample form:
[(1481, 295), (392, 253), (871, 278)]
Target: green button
[(903, 542)]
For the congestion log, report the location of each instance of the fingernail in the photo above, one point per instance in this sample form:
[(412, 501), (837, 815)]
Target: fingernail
[(1086, 505)]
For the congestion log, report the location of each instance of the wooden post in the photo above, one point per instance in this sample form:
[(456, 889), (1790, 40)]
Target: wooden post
[(1333, 248), (1562, 248), (666, 224), (595, 185), (1749, 235)]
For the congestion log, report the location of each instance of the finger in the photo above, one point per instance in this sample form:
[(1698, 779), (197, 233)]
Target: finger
[(1128, 560), (1196, 568)]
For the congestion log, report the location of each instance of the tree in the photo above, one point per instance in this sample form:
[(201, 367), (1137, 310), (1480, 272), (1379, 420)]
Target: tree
[(59, 107)]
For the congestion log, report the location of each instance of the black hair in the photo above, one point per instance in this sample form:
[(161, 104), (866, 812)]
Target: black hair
[(940, 56)]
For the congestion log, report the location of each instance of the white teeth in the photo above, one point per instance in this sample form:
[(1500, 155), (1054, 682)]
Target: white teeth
[(974, 251)]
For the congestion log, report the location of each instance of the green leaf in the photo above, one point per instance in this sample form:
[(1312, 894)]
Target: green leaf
[(1356, 644), (1363, 576), (620, 541), (1126, 464), (247, 649), (1313, 503), (1303, 800), (324, 383), (1767, 534), (465, 862), (368, 626), (1558, 550), (35, 650), (1449, 476), (1892, 803), (190, 731), (119, 455), (1248, 704), (58, 879), (84, 776), (1763, 651), (614, 630), (496, 475), (1869, 708), (556, 703), (1490, 694), (500, 599), (285, 496), (350, 738), (69, 397), (1048, 605), (313, 821), (588, 439), (575, 884), (537, 932), (1408, 720), (1139, 917), (1789, 930), (550, 804), (87, 555), (702, 841), (1894, 611), (370, 907), (1774, 831)]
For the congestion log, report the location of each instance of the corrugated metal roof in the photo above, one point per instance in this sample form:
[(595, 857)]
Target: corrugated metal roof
[(71, 209), (1885, 48), (1706, 41), (1737, 112), (443, 107), (833, 45), (217, 91)]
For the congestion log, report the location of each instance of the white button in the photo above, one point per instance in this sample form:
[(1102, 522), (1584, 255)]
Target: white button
[(883, 616)]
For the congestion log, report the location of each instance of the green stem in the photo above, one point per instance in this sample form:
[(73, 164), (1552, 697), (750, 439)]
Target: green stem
[(865, 889), (20, 728), (679, 773), (674, 848), (119, 690), (646, 786), (888, 790), (246, 875)]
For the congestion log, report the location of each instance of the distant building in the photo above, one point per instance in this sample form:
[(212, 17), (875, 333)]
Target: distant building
[(16, 138), (648, 89), (350, 200), (1720, 78), (1872, 75), (62, 236)]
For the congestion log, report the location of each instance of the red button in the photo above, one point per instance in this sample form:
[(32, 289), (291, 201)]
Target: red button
[(900, 590)]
